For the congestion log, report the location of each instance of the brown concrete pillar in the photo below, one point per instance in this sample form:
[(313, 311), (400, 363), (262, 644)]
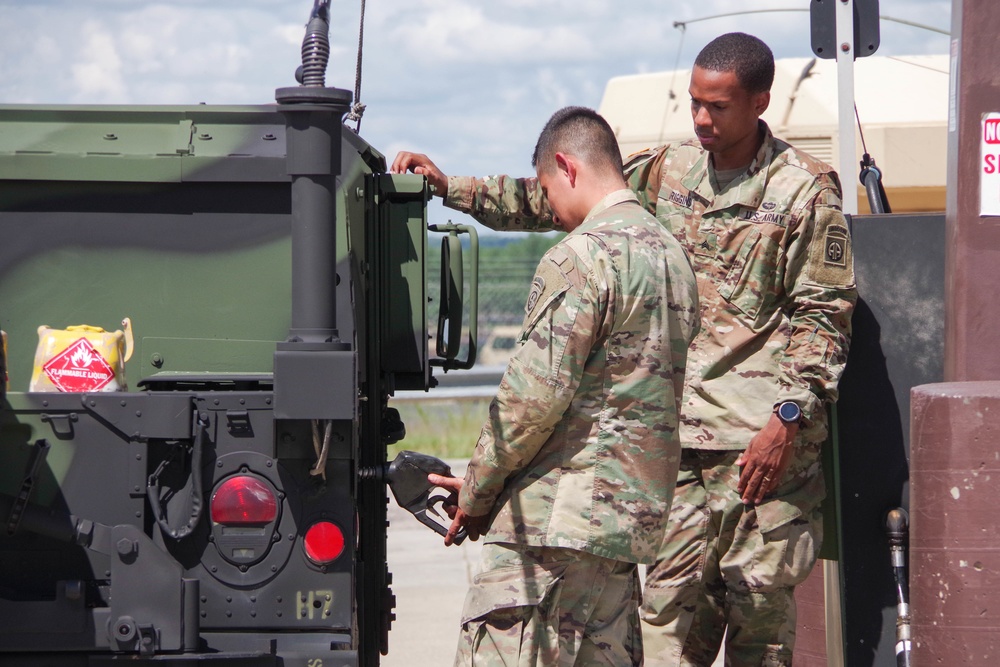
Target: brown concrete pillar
[(955, 426), (810, 622), (954, 523), (972, 264)]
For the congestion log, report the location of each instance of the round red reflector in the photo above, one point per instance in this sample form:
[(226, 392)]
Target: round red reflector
[(324, 542), (243, 500)]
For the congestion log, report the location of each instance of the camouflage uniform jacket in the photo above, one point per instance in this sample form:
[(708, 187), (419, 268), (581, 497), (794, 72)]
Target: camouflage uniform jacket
[(772, 254), (581, 447)]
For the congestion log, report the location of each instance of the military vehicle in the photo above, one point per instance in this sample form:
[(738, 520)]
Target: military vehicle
[(181, 523), (230, 506)]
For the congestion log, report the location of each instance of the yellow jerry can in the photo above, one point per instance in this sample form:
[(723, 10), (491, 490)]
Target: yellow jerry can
[(81, 358)]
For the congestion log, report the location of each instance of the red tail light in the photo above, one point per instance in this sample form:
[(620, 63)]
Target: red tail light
[(324, 542), (243, 501)]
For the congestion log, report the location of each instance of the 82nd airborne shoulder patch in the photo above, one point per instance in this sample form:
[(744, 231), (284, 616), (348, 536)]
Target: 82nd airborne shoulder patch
[(830, 261), (537, 287), (835, 244), (547, 285)]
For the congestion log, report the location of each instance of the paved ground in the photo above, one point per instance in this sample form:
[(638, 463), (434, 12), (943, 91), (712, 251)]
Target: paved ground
[(430, 582)]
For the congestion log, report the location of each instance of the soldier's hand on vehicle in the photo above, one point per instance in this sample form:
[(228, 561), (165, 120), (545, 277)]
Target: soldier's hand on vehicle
[(474, 525), (765, 460), (420, 164)]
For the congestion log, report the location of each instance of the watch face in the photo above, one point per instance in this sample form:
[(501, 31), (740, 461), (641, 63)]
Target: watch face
[(789, 412)]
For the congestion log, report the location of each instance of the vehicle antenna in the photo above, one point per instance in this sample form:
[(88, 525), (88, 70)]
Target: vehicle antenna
[(358, 109)]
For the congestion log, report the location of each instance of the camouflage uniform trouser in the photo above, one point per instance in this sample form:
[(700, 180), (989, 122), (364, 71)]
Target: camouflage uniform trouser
[(541, 607), (729, 569)]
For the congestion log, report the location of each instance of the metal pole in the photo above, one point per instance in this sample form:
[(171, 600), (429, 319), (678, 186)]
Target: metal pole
[(314, 371), (845, 103), (845, 116), (313, 132)]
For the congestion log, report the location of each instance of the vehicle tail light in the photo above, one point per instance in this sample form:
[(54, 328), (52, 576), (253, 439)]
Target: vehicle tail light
[(324, 542), (244, 501)]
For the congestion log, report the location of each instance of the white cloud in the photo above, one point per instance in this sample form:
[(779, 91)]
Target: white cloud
[(97, 67), (289, 33), (468, 82), (460, 34)]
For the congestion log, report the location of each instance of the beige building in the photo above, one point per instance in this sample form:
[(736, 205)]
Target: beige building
[(902, 102)]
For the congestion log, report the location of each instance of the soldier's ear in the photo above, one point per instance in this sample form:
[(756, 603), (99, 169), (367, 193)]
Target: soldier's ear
[(761, 102), (567, 167)]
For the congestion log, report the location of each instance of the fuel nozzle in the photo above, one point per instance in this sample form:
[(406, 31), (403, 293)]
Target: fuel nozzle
[(406, 475), (897, 526), (897, 529), (871, 178)]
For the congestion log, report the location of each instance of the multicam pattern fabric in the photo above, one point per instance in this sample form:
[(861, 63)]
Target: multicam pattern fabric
[(772, 255), (776, 281), (581, 448), (726, 564), (541, 607)]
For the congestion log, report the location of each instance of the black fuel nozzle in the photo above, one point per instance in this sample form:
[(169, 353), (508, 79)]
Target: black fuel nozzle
[(407, 477), (868, 168), (871, 178), (897, 527)]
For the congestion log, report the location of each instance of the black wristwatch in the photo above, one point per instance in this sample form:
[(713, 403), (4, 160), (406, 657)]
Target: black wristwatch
[(789, 412)]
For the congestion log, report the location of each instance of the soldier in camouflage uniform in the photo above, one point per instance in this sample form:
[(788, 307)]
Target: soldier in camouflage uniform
[(763, 226), (575, 467)]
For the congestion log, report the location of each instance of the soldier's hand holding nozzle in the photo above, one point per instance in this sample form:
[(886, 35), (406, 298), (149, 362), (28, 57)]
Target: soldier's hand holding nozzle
[(474, 525)]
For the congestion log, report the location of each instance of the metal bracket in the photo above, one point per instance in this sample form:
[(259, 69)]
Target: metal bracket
[(238, 423), (148, 611), (185, 132), (70, 417)]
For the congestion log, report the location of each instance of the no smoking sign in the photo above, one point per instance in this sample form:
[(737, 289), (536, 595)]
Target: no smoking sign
[(989, 174)]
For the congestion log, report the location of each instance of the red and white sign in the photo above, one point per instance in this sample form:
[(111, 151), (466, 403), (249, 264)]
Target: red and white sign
[(79, 368), (989, 169), (991, 130)]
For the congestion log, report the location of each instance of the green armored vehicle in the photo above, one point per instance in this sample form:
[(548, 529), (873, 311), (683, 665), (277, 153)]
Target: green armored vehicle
[(230, 505)]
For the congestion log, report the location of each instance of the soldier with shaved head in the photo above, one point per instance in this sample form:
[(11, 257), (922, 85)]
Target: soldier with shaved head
[(572, 475)]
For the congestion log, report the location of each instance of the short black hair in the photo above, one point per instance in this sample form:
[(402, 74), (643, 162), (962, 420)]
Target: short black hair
[(745, 55), (580, 132)]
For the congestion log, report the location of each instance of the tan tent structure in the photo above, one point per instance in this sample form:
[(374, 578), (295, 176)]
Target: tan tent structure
[(902, 102)]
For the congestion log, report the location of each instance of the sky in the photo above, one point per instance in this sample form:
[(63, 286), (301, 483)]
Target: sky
[(468, 82)]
